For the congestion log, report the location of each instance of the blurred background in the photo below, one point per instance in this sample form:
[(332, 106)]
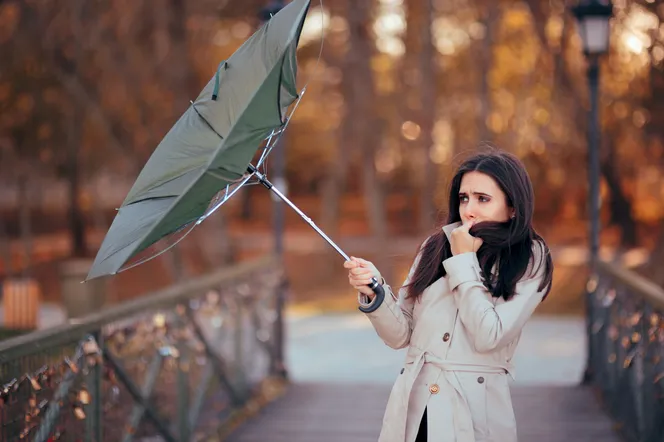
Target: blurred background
[(402, 91)]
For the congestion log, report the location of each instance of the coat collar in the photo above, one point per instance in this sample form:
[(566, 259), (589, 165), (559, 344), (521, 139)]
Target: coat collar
[(448, 229)]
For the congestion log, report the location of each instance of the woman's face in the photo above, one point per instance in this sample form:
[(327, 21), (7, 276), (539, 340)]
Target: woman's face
[(481, 199)]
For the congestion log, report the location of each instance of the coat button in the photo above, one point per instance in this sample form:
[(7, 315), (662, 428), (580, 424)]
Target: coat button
[(401, 371), (480, 380), (446, 337), (434, 389)]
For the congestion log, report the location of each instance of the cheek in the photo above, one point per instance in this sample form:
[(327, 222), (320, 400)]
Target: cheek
[(485, 211), (498, 212)]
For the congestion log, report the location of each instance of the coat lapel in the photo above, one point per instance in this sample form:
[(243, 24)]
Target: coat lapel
[(448, 229)]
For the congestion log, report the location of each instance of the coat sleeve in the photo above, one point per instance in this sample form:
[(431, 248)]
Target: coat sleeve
[(393, 318), (494, 327)]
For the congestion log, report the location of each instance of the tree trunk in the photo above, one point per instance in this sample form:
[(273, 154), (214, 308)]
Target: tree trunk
[(427, 117), (483, 133), (336, 174), (332, 191), (76, 221), (408, 95), (25, 223), (620, 207), (246, 210), (225, 241), (99, 222), (182, 74), (5, 250), (74, 138), (362, 115)]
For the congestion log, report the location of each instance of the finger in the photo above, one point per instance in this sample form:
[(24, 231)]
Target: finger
[(361, 277), (461, 229), (468, 224), (362, 262)]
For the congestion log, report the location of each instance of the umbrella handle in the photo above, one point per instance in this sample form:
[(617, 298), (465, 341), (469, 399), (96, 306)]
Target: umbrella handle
[(379, 291)]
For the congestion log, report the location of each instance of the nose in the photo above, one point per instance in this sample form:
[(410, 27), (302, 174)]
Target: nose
[(470, 211)]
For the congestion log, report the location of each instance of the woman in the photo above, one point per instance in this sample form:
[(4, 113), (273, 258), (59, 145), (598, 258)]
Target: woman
[(471, 289)]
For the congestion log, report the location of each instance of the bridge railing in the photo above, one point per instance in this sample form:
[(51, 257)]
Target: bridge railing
[(179, 364), (627, 350)]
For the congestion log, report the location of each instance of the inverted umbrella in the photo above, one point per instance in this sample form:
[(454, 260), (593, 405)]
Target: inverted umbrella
[(205, 157)]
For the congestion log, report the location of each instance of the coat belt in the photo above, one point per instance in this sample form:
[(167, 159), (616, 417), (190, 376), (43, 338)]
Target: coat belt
[(462, 417)]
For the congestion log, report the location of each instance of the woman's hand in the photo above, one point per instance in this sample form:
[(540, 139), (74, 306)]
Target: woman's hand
[(360, 272), (461, 241)]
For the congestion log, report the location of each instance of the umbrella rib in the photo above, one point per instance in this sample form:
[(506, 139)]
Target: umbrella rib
[(226, 197), (158, 254), (206, 121), (220, 176)]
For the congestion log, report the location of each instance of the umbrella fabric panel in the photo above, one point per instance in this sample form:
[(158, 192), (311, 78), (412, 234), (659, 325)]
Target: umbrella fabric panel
[(140, 225), (288, 93), (185, 148), (130, 225), (261, 116), (184, 210), (172, 188)]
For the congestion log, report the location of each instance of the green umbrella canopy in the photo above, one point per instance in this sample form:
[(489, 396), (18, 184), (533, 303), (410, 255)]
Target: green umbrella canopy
[(212, 143)]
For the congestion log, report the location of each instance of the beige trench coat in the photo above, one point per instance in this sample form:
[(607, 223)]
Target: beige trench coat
[(460, 343)]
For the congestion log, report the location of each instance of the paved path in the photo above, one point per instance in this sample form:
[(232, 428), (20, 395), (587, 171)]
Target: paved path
[(327, 412), (342, 375)]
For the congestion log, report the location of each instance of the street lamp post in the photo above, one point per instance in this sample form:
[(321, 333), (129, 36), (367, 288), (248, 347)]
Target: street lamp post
[(278, 170), (593, 18)]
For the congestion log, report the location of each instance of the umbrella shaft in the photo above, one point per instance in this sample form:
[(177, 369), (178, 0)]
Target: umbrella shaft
[(265, 182)]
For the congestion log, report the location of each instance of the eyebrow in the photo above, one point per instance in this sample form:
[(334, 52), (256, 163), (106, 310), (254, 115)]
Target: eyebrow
[(476, 193)]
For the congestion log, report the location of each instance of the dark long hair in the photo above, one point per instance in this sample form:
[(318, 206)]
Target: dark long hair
[(507, 245)]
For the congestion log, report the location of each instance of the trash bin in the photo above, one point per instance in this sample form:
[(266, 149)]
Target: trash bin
[(80, 299), (21, 299)]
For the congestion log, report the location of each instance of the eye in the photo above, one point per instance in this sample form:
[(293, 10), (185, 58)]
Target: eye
[(463, 198), (484, 199)]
